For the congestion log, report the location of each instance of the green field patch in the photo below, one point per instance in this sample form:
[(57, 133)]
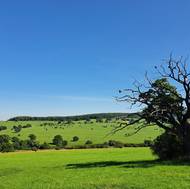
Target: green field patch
[(98, 133), (91, 168)]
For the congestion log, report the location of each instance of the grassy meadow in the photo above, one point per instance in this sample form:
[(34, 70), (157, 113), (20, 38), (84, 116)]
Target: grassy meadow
[(96, 132), (126, 168), (109, 168)]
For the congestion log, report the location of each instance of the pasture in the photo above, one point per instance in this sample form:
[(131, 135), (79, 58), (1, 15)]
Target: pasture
[(96, 132), (127, 168)]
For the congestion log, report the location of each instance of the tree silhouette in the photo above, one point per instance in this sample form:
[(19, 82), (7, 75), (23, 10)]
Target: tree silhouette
[(164, 101)]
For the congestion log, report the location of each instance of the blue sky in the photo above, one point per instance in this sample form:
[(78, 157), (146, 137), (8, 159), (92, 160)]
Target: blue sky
[(72, 57)]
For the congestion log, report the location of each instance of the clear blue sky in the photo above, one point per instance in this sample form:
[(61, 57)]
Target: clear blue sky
[(71, 57)]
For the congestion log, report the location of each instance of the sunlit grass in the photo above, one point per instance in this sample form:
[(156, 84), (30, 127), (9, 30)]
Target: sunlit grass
[(96, 132), (92, 168)]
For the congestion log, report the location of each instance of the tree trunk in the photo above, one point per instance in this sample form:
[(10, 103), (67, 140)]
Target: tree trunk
[(186, 137)]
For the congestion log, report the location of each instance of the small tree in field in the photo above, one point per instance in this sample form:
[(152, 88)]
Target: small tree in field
[(32, 142), (32, 137), (88, 142), (75, 138), (166, 103), (58, 141), (17, 129), (16, 143), (5, 145)]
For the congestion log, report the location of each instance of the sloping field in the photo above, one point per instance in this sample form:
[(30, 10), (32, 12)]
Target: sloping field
[(96, 132)]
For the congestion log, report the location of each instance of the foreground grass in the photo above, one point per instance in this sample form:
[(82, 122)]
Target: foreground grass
[(96, 132), (129, 168)]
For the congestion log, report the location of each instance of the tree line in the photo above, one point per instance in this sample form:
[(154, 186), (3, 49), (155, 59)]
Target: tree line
[(11, 144), (75, 118)]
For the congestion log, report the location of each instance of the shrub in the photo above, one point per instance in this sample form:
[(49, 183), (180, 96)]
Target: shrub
[(134, 145), (3, 128), (16, 143), (45, 145), (167, 146), (75, 138), (99, 120), (32, 137), (115, 143), (6, 147), (32, 142), (64, 143), (100, 145), (35, 149), (4, 139), (27, 126), (58, 141), (17, 129), (24, 145), (88, 142)]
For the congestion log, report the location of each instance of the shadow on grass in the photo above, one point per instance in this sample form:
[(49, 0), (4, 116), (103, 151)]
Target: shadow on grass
[(127, 164)]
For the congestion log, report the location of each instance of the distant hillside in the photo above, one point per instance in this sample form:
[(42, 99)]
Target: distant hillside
[(75, 118)]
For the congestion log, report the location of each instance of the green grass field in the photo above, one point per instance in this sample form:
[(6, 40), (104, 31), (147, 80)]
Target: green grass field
[(111, 168), (96, 132), (127, 168)]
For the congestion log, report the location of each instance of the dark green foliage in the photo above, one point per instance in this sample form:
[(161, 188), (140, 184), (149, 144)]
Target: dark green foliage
[(87, 119), (108, 120), (99, 120), (5, 145), (17, 129), (148, 143), (16, 143), (168, 146), (116, 144), (3, 128), (10, 144), (164, 100), (88, 142), (24, 145), (75, 138), (15, 139), (68, 122), (75, 118), (26, 126), (45, 145), (32, 142), (64, 143), (32, 137), (134, 145), (58, 141), (4, 139)]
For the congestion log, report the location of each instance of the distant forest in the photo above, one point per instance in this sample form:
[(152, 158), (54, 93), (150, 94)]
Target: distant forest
[(76, 118)]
